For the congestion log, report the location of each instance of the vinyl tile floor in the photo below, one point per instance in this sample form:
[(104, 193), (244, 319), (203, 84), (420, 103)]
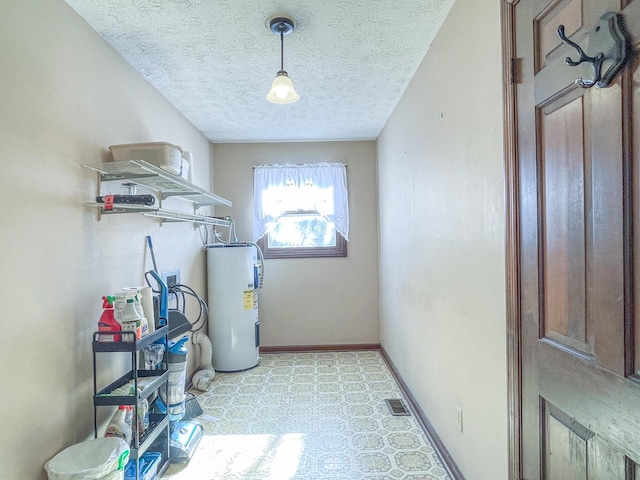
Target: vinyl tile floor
[(304, 416)]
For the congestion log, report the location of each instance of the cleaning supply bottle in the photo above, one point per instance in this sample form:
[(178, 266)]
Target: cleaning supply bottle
[(144, 324), (108, 322), (136, 294), (143, 415), (119, 302), (118, 426), (128, 418), (131, 320), (142, 422)]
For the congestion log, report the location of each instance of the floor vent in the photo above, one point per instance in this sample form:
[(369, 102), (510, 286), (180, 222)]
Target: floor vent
[(396, 407)]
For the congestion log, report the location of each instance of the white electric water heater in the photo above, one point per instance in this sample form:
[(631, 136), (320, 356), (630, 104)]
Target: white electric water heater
[(234, 273)]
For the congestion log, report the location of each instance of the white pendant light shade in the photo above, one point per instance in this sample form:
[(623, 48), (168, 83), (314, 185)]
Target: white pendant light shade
[(282, 90)]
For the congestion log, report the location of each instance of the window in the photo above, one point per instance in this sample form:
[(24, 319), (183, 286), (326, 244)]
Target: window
[(301, 210)]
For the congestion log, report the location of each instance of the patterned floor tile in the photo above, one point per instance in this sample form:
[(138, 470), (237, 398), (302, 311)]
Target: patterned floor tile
[(308, 416)]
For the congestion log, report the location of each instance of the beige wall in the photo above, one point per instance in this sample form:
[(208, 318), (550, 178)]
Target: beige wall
[(442, 284), (66, 96), (318, 301)]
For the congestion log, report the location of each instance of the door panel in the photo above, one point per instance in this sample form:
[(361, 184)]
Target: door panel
[(609, 189), (558, 13), (606, 463), (602, 401), (573, 452), (563, 209), (565, 441), (578, 213)]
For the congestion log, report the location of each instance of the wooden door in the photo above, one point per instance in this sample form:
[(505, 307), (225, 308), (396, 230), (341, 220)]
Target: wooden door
[(579, 261)]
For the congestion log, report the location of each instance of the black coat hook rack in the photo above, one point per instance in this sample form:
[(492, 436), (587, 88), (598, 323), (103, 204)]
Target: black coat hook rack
[(610, 45)]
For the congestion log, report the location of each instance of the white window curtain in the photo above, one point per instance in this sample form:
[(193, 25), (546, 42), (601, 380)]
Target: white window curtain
[(320, 187)]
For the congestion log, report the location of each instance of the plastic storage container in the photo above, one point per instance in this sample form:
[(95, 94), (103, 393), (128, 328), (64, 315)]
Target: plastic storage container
[(166, 156), (148, 467), (96, 459)]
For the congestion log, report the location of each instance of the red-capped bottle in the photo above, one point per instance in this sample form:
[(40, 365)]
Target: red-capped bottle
[(108, 322)]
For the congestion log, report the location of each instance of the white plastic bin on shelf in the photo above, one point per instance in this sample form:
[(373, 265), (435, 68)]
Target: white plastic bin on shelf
[(96, 459), (163, 155)]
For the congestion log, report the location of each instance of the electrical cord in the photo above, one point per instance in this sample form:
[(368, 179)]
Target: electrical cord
[(204, 237), (215, 236), (232, 231), (181, 293)]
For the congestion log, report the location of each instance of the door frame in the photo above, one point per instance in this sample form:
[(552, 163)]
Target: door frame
[(510, 72)]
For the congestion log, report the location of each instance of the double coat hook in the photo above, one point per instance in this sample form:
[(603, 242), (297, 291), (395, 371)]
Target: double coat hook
[(608, 47)]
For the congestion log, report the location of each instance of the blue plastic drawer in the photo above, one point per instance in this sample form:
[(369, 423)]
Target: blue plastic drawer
[(148, 467)]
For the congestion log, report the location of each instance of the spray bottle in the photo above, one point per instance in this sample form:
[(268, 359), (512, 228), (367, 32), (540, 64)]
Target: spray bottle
[(108, 322), (131, 320), (144, 324)]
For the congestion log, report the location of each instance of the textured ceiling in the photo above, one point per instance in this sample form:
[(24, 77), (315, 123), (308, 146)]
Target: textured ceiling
[(214, 60)]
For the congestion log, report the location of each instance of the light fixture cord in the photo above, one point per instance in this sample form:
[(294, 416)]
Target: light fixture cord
[(281, 51)]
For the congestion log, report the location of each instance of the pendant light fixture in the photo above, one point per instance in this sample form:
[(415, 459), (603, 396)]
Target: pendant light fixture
[(282, 87)]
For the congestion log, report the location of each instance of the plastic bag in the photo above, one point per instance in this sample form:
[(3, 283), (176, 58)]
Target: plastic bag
[(96, 459)]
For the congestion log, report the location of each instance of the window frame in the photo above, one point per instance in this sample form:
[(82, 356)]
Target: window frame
[(339, 250)]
